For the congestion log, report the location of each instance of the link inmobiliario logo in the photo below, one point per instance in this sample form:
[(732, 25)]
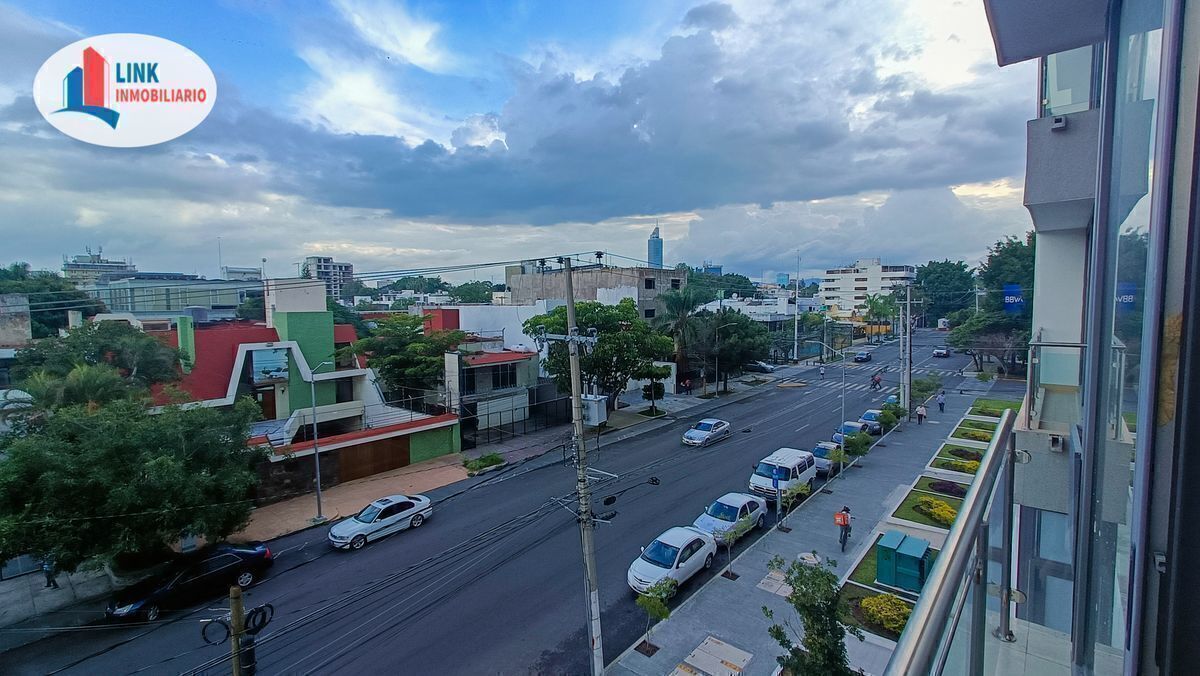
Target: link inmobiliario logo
[(124, 90)]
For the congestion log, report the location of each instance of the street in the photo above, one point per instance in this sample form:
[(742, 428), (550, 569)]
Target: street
[(493, 583)]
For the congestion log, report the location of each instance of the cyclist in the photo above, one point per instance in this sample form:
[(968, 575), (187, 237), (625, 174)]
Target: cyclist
[(842, 521)]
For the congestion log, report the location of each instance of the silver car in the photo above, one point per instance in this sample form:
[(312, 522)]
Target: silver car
[(707, 431), (380, 519), (726, 511)]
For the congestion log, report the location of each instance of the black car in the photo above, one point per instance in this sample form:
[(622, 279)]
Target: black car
[(862, 356), (191, 578)]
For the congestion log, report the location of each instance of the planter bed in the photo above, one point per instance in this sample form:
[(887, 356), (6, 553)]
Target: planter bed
[(978, 436), (943, 464), (951, 451), (955, 489), (985, 425), (907, 509), (992, 408), (850, 612)]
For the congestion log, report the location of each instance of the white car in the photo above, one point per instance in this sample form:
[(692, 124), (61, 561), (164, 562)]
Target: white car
[(707, 431), (726, 511), (941, 352), (679, 553), (380, 519)]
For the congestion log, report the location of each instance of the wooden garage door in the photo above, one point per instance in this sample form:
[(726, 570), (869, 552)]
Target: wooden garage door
[(374, 457)]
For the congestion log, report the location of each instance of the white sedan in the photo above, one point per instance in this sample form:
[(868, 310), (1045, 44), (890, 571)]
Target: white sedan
[(379, 519), (679, 553), (726, 511), (707, 431)]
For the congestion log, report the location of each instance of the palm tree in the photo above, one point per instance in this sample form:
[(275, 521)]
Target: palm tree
[(86, 384), (880, 307), (677, 321)]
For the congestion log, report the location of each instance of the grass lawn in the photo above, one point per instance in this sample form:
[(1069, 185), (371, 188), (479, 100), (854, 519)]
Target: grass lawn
[(980, 425), (992, 408), (970, 434), (1131, 420), (946, 452), (868, 567), (925, 481), (942, 463), (850, 612), (907, 510)]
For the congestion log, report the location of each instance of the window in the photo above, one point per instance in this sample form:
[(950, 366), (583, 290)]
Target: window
[(391, 510), (468, 381), (675, 283), (504, 376), (649, 313), (860, 279), (860, 288), (649, 282), (218, 563)]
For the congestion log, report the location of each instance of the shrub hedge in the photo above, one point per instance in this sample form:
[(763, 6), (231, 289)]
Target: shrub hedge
[(964, 466), (949, 488), (966, 454), (886, 610), (938, 510)]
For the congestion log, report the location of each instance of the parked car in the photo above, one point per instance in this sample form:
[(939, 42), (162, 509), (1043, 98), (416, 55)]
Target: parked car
[(707, 431), (679, 553), (862, 356), (380, 519), (941, 351), (727, 510), (191, 578), (790, 466), (871, 418), (822, 453), (892, 399), (848, 427), (759, 367)]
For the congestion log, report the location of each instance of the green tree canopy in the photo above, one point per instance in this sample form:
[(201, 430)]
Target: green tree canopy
[(1009, 261), (418, 284), (404, 355), (472, 292), (740, 340), (253, 308), (678, 320), (89, 485), (820, 649), (50, 297), (355, 287), (625, 343), (141, 359), (345, 315), (945, 286)]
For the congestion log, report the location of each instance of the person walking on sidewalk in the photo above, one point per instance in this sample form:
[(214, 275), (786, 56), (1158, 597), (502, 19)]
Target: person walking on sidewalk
[(49, 572), (941, 402), (922, 413)]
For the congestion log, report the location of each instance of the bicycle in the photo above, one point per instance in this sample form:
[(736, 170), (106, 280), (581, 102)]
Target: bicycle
[(843, 519)]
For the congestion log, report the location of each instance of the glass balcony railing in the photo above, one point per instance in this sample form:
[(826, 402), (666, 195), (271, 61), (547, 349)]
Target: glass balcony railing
[(1055, 376), (1069, 82)]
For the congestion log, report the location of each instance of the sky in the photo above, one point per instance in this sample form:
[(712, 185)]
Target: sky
[(397, 134)]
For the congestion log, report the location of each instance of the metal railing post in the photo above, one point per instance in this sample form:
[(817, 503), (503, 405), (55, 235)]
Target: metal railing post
[(979, 600), (1004, 631)]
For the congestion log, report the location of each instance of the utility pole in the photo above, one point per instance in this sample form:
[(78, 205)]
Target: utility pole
[(237, 621), (582, 487), (906, 388), (796, 318)]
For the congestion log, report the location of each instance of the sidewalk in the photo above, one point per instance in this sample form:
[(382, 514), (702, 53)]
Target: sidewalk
[(731, 611)]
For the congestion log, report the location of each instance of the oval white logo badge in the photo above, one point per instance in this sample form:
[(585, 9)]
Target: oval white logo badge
[(125, 90)]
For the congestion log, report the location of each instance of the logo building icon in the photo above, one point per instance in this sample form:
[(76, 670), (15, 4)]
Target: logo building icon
[(85, 90)]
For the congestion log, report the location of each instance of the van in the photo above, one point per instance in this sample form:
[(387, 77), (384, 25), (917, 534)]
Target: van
[(791, 466)]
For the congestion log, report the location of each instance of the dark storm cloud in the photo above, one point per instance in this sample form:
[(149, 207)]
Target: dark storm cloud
[(710, 16)]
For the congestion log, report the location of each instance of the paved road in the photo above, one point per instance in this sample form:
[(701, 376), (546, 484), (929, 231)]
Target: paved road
[(494, 582)]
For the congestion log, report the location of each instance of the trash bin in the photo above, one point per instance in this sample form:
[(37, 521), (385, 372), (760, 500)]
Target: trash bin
[(902, 561)]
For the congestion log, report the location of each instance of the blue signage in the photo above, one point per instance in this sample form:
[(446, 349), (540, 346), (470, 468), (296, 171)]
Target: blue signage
[(775, 482), (1126, 297), (1014, 299)]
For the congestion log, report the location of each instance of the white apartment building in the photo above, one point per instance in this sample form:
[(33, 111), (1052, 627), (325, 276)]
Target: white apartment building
[(333, 273), (844, 290)]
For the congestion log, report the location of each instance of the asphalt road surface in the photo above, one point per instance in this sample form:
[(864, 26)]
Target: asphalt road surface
[(493, 582)]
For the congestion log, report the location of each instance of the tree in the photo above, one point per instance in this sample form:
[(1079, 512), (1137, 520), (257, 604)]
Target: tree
[(678, 320), (401, 304), (740, 340), (344, 315), (857, 444), (88, 385), (729, 538), (472, 292), (89, 485), (654, 603), (989, 333), (946, 286), (655, 389), (404, 355), (625, 343), (880, 308), (1009, 261), (50, 297), (418, 284), (354, 288), (815, 597), (141, 359), (254, 307)]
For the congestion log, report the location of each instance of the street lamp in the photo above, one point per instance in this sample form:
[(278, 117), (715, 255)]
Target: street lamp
[(718, 364), (841, 353), (312, 382)]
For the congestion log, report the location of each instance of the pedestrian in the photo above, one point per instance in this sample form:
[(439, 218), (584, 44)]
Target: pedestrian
[(941, 402), (921, 414), (49, 572), (822, 373), (687, 386)]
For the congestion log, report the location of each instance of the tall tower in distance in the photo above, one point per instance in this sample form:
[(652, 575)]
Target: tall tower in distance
[(654, 249)]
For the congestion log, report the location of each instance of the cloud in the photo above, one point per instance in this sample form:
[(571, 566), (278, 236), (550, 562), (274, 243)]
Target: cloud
[(391, 28), (710, 16)]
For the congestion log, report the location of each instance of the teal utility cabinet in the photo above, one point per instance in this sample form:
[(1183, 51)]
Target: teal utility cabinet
[(902, 561)]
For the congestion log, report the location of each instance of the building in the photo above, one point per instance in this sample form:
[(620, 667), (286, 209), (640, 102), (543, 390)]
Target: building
[(16, 330), (164, 295), (89, 267), (1100, 529), (333, 273), (654, 249), (710, 268), (235, 274), (530, 282), (844, 290), (280, 364), (783, 278)]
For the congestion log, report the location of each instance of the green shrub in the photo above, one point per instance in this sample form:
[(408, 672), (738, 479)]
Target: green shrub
[(964, 466), (483, 462), (979, 425), (795, 495), (987, 411), (966, 454), (858, 443), (937, 510), (886, 610), (973, 435)]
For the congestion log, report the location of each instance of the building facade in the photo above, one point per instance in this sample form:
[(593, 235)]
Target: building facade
[(89, 267), (333, 273), (847, 288), (530, 284), (163, 295), (654, 249)]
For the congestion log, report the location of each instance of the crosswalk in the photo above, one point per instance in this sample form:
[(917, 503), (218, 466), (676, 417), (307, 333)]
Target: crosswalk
[(829, 382), (924, 370)]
